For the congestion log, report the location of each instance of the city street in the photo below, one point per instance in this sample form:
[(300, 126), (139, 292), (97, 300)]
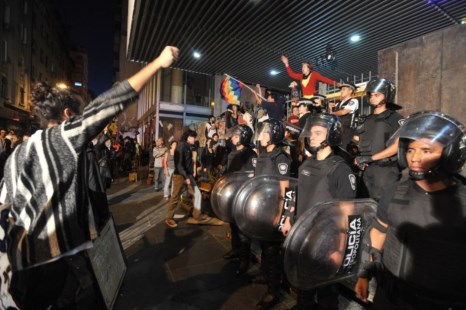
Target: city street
[(178, 268)]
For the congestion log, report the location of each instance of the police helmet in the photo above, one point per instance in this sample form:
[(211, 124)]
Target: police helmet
[(243, 131), (383, 86), (274, 128), (326, 120), (436, 127)]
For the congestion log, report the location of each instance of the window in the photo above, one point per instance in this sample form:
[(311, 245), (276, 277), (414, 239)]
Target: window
[(198, 89), (24, 35), (21, 62), (4, 51), (21, 96), (6, 17), (166, 88), (4, 87)]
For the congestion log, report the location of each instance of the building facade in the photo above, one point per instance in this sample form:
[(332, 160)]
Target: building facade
[(34, 47), (173, 99)]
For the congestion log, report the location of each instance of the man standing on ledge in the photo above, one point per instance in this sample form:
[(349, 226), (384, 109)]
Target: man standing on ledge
[(308, 78)]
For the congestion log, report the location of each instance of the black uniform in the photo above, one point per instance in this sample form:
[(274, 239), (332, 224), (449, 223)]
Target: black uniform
[(373, 136), (274, 163), (424, 249), (243, 160), (323, 180), (346, 120), (318, 181)]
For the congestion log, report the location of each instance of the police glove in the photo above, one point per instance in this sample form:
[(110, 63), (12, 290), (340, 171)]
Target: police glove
[(368, 269), (360, 161)]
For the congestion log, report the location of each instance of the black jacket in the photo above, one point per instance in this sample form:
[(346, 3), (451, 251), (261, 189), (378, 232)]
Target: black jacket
[(184, 160)]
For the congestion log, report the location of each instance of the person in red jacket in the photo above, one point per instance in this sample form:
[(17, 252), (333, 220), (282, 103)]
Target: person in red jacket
[(308, 78)]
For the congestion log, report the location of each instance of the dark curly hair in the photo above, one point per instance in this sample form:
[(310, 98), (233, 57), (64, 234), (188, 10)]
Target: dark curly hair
[(188, 133), (50, 102)]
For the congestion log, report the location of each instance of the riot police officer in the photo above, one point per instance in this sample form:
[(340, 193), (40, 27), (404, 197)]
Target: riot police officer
[(346, 110), (421, 222), (241, 158), (322, 177), (271, 161), (376, 159)]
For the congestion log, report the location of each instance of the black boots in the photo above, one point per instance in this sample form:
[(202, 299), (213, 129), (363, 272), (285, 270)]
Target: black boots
[(230, 255)]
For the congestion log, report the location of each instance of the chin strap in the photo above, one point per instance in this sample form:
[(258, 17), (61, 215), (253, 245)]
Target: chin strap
[(432, 175)]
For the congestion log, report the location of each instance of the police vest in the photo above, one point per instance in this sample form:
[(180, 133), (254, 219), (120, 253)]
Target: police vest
[(425, 243), (314, 183), (345, 119), (242, 160), (267, 163), (375, 132)]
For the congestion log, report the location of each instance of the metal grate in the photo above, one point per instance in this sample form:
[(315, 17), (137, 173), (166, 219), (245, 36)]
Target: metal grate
[(245, 38)]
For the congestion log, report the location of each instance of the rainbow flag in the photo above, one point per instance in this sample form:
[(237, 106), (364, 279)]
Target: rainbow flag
[(230, 90)]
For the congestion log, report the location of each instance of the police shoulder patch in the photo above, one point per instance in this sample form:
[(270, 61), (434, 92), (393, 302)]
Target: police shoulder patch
[(282, 168), (401, 122), (352, 179), (351, 103)]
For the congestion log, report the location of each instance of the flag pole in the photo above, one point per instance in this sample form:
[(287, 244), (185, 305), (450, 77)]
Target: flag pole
[(246, 86)]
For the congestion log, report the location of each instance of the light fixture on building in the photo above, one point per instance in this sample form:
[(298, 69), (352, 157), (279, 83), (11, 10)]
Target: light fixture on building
[(328, 59), (330, 53), (61, 85), (274, 72), (78, 84), (355, 38), (197, 55)]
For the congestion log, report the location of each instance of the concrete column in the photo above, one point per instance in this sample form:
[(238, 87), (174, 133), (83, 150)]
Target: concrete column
[(177, 87)]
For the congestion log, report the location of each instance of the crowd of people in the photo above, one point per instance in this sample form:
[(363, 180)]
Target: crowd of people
[(414, 247), (338, 157)]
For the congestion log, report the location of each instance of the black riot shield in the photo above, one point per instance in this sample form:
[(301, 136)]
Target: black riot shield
[(224, 192), (323, 245), (258, 206)]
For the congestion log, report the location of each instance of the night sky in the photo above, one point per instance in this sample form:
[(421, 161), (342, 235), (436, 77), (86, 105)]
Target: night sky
[(91, 25)]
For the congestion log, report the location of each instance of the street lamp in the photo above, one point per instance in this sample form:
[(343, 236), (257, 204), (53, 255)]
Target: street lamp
[(61, 86)]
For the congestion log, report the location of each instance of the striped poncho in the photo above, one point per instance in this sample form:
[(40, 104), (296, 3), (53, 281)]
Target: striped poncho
[(45, 183)]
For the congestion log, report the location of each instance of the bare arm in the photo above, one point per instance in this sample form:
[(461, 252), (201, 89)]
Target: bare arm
[(164, 60), (341, 112)]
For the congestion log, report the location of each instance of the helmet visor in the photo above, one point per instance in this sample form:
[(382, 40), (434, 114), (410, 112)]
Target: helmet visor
[(312, 121), (235, 130), (433, 126), (263, 130)]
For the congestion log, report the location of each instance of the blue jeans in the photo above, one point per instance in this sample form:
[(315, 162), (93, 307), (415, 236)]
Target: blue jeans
[(159, 177), (167, 191)]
